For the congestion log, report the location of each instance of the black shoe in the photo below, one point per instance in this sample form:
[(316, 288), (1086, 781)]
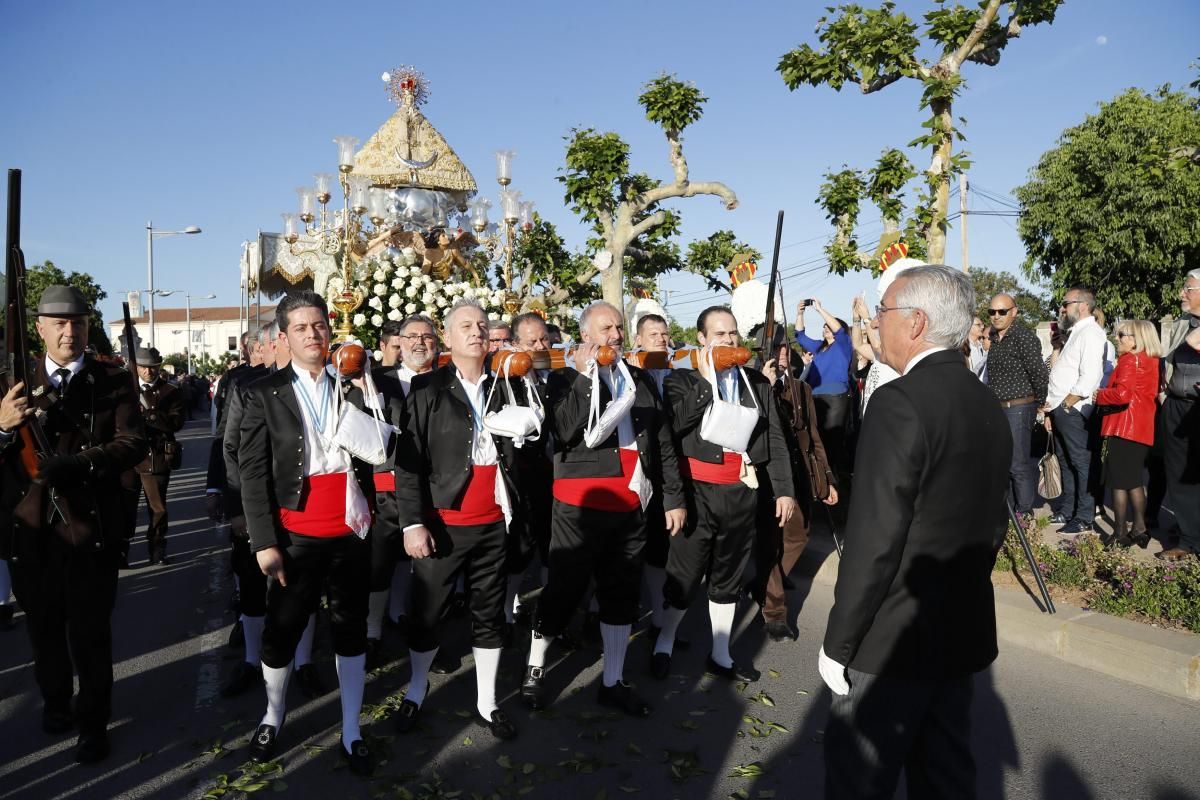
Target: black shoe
[(374, 655), (1073, 527), (622, 697), (93, 747), (591, 627), (359, 758), (444, 665), (240, 679), (660, 665), (407, 716), (57, 722), (500, 725), (732, 673), (1057, 519), (533, 691), (778, 631), (309, 681), (237, 635), (6, 617), (262, 743)]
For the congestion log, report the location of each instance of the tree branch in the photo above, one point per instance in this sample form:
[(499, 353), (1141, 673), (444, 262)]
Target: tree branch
[(652, 221), (678, 162), (972, 41), (879, 83), (660, 193)]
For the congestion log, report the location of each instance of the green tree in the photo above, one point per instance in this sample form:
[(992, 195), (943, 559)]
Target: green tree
[(632, 231), (876, 47), (1032, 306), (1116, 204), (709, 258), (37, 278), (680, 335), (551, 276)]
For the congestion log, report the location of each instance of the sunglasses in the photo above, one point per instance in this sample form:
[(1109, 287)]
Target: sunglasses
[(1066, 303), (1124, 335), (996, 312)]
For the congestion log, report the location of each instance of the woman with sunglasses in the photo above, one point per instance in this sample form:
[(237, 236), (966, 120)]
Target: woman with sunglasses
[(1128, 406)]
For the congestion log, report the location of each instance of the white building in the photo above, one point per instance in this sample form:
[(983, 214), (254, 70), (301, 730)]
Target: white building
[(215, 330)]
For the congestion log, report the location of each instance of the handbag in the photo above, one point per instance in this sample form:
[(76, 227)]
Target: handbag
[(1049, 473), (601, 426), (727, 424), (515, 421), (364, 436)]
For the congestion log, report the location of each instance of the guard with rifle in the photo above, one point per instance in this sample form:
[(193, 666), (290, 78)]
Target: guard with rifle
[(69, 426), (164, 413)]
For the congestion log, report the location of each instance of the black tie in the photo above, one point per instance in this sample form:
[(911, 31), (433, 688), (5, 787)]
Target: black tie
[(64, 375)]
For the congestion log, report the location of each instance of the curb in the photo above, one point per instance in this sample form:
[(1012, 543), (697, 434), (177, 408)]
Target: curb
[(1162, 660)]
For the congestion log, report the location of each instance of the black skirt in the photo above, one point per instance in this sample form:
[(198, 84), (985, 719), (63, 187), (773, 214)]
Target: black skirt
[(1124, 464)]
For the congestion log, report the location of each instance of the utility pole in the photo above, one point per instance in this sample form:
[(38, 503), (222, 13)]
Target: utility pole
[(962, 218)]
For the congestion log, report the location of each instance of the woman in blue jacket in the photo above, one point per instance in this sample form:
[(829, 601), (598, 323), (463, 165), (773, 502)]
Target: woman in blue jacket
[(829, 377)]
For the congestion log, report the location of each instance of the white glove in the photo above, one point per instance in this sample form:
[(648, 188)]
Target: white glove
[(833, 673)]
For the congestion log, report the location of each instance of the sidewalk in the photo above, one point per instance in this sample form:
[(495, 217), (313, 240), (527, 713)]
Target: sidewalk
[(1141, 653)]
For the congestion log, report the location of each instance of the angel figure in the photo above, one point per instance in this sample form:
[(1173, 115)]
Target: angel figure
[(444, 254)]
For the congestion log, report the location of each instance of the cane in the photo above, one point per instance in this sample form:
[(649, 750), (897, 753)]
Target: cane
[(833, 530), (1037, 573)]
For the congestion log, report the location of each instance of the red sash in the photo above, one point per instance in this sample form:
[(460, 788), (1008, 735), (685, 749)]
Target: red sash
[(602, 494), (478, 505), (385, 481), (322, 511), (727, 472)]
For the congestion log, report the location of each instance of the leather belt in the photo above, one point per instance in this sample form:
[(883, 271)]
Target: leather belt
[(1019, 401)]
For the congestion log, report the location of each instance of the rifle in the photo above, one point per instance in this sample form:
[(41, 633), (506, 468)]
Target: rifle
[(767, 337), (130, 348)]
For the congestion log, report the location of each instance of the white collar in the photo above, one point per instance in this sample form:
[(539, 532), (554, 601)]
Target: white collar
[(1083, 323), (52, 366), (912, 362), (308, 380)]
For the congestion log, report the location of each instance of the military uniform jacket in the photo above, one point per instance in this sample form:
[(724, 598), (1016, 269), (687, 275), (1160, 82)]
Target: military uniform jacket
[(163, 413), (569, 396), (271, 456), (102, 400)]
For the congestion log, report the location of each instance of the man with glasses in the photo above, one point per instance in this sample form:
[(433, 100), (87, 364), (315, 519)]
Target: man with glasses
[(1076, 374), (1017, 375), (499, 335)]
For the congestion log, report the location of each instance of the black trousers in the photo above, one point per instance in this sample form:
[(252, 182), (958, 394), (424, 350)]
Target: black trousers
[(717, 542), (252, 584), (532, 536), (479, 551), (68, 597), (886, 723), (387, 541), (586, 545), (658, 541), (340, 567)]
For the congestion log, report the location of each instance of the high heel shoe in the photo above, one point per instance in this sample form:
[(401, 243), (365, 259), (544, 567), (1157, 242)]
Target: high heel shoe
[(1140, 538)]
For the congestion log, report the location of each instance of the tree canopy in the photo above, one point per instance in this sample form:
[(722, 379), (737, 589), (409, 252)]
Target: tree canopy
[(1116, 204), (1032, 306)]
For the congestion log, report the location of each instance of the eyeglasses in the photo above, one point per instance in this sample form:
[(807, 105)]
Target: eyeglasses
[(1066, 303), (1189, 289), (880, 309), (1124, 335), (996, 312), (417, 337), (505, 340)]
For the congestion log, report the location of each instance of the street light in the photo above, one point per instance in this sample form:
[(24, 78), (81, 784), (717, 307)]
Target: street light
[(151, 234), (168, 293)]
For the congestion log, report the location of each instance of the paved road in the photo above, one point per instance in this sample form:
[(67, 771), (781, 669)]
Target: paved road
[(1044, 729)]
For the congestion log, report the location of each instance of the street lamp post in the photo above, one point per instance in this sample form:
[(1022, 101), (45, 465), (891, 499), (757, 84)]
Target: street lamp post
[(151, 233), (189, 296)]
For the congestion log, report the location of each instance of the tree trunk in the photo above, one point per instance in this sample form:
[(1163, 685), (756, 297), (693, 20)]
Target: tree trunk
[(612, 282), (939, 168)]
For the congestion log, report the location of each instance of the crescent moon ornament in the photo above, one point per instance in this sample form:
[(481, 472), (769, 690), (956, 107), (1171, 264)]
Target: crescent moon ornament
[(414, 164)]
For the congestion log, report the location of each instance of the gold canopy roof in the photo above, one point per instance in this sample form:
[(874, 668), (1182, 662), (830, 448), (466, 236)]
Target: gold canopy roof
[(407, 151)]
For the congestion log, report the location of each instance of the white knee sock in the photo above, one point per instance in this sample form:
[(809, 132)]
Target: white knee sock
[(418, 685), (304, 648), (276, 680), (351, 672), (671, 617), (487, 663), (5, 583), (538, 645), (721, 615), (655, 578), (616, 640), (398, 598), (512, 601), (375, 607), (252, 628)]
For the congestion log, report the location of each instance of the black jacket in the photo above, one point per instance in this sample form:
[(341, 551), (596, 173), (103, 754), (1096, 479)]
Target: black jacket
[(433, 459), (271, 455), (164, 414), (927, 516), (568, 397), (387, 381), (687, 396), (227, 393)]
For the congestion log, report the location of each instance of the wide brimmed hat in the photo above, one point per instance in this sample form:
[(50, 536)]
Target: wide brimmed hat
[(148, 357), (62, 301)]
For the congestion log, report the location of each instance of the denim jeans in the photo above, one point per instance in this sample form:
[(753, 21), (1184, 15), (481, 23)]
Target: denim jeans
[(1071, 436), (1023, 472)]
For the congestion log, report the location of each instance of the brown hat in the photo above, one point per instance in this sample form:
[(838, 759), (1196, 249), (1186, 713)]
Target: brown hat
[(62, 301)]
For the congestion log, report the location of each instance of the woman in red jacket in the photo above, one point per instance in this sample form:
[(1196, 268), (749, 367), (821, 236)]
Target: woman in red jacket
[(1128, 405)]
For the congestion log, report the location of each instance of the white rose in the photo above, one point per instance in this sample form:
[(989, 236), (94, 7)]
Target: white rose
[(427, 298), (441, 301), (492, 315), (376, 320), (414, 271), (397, 283), (410, 290), (380, 275), (376, 303), (411, 308), (394, 301), (360, 319), (394, 315), (380, 289)]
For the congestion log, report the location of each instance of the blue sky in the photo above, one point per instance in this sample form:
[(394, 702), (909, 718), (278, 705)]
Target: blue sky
[(210, 114)]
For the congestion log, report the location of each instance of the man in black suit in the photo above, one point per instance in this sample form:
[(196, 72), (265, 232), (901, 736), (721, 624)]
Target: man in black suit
[(913, 613), (607, 464), (307, 515)]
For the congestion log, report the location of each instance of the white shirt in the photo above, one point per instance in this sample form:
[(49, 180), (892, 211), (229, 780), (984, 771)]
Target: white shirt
[(52, 367), (483, 449), (406, 375), (730, 386), (316, 395), (1080, 366), (921, 356), (626, 438)]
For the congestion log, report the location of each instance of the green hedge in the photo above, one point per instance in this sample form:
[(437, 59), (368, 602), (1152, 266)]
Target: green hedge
[(1113, 582)]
